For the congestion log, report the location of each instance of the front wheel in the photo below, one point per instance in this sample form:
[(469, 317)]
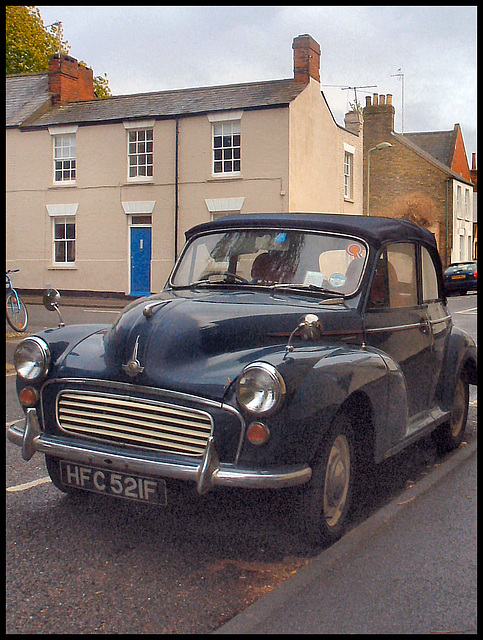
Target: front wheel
[(450, 435), (327, 499), (17, 316)]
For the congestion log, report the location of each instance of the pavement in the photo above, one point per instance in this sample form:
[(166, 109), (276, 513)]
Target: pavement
[(89, 299), (409, 568)]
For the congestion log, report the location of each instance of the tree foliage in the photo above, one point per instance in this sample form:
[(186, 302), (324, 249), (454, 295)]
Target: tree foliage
[(30, 44)]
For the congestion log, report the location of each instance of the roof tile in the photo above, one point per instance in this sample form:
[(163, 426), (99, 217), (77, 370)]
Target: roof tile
[(24, 95), (173, 103)]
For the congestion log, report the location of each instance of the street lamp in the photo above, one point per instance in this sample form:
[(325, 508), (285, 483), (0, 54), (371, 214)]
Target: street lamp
[(378, 147)]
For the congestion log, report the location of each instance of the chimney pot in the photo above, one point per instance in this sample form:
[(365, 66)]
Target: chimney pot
[(378, 119)]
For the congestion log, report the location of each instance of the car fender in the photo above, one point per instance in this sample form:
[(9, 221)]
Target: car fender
[(61, 341), (460, 356), (364, 380)]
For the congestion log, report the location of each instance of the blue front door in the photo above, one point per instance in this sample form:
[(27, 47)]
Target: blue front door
[(140, 261)]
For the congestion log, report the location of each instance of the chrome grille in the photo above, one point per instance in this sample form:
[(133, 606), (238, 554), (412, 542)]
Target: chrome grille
[(135, 422)]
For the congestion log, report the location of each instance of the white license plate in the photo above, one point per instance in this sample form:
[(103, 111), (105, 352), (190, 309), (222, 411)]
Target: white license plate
[(113, 483)]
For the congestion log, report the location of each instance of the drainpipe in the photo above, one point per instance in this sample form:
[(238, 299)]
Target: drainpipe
[(176, 186), (448, 260)]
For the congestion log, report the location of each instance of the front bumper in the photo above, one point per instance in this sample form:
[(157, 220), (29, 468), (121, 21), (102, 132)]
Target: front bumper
[(206, 473)]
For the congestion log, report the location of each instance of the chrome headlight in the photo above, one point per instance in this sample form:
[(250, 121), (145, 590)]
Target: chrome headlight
[(260, 389), (32, 359)]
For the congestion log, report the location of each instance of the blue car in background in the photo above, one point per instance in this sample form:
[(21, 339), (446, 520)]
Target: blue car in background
[(460, 278)]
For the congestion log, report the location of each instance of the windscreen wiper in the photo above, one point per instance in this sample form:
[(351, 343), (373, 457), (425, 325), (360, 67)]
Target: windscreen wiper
[(214, 279), (313, 288)]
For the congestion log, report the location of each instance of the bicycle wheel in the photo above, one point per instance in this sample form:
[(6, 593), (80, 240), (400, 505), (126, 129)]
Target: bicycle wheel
[(17, 316)]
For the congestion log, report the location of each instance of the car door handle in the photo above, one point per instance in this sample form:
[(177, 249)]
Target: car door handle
[(424, 325)]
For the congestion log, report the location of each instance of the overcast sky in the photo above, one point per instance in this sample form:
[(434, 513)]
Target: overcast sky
[(146, 49)]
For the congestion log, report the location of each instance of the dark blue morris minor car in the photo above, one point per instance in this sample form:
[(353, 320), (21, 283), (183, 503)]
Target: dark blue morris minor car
[(286, 350)]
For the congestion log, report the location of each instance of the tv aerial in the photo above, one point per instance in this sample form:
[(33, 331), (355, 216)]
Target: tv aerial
[(362, 86), (349, 88)]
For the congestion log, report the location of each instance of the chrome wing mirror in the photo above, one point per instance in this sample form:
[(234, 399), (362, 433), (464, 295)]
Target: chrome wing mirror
[(308, 328), (50, 300)]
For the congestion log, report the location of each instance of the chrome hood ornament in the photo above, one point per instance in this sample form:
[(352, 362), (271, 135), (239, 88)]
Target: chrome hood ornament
[(133, 366)]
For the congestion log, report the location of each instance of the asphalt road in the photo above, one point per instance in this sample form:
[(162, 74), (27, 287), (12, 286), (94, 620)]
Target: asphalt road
[(102, 566)]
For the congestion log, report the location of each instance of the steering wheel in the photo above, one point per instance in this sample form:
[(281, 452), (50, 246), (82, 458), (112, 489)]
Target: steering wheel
[(235, 277)]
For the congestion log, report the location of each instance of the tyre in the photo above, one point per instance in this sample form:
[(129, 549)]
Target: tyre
[(450, 435), (53, 469), (17, 316), (327, 500)]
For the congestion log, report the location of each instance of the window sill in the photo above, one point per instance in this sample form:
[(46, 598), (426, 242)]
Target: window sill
[(62, 267), (140, 180), (347, 199), (63, 185), (216, 177)]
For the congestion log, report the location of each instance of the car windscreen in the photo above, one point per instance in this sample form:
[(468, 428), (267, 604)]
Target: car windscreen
[(462, 266), (268, 257)]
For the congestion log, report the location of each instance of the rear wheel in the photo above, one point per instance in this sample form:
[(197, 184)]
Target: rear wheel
[(450, 435), (327, 499)]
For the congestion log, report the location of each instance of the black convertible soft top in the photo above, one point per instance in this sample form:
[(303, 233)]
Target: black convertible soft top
[(375, 230)]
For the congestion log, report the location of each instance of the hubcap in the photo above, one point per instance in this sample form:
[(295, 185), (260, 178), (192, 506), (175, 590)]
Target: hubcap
[(458, 412), (337, 479)]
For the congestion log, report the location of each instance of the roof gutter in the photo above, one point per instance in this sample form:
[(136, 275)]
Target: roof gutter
[(447, 259), (176, 189)]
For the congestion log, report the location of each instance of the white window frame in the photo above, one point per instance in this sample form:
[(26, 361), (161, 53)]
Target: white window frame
[(140, 150), (462, 247), (69, 244), (227, 156), (67, 214), (64, 155), (459, 207), (467, 206), (348, 174)]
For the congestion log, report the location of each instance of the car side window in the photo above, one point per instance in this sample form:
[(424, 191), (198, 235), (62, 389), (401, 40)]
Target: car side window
[(395, 281), (429, 277), (401, 263), (379, 294)]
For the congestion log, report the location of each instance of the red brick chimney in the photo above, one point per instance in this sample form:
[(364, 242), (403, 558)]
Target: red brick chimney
[(69, 80), (378, 120), (306, 59), (380, 113), (473, 171)]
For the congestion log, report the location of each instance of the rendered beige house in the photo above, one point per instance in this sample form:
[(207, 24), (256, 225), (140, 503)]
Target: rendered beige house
[(100, 192)]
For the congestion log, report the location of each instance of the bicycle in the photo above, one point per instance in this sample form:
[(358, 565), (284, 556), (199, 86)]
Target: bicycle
[(17, 316)]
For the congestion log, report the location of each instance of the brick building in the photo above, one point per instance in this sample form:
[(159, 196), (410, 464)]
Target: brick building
[(422, 177)]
